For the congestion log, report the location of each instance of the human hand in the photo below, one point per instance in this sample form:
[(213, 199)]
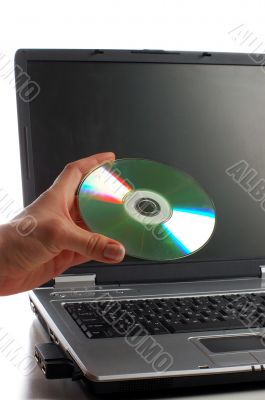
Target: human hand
[(60, 238)]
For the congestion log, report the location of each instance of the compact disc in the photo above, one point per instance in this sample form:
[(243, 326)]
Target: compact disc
[(156, 211)]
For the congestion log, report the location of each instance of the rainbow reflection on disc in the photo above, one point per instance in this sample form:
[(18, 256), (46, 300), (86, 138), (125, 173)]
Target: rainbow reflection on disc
[(157, 212)]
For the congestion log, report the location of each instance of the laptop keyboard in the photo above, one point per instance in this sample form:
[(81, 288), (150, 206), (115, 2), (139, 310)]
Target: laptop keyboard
[(108, 319)]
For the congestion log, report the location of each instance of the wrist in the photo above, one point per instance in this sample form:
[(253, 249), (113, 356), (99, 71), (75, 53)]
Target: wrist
[(4, 258), (8, 245), (4, 233)]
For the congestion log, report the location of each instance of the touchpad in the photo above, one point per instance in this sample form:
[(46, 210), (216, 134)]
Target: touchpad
[(229, 350), (233, 343)]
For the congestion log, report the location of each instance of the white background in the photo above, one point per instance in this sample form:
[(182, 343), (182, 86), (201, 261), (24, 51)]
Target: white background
[(113, 24)]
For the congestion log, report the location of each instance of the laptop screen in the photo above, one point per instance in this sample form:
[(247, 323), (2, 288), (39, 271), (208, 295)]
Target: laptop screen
[(207, 120)]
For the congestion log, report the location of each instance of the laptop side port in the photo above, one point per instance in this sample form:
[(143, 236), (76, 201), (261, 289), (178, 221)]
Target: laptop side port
[(53, 337)]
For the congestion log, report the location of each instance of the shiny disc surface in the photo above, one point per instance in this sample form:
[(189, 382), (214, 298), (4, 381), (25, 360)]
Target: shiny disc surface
[(157, 212)]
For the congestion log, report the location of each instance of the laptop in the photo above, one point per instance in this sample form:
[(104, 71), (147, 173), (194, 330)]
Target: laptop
[(143, 324)]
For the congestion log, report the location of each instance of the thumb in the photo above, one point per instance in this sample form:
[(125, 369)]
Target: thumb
[(94, 246)]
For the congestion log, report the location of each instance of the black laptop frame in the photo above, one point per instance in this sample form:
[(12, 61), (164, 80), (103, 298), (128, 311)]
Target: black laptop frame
[(146, 272)]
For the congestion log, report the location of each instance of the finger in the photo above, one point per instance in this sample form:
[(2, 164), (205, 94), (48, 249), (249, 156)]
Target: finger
[(94, 246), (69, 179)]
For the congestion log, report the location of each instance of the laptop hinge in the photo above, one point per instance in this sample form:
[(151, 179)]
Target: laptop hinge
[(262, 271), (75, 281)]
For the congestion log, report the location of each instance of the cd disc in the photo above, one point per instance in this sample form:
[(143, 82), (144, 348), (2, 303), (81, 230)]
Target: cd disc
[(154, 210)]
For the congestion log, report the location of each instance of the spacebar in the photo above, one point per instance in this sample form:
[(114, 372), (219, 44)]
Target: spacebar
[(211, 326)]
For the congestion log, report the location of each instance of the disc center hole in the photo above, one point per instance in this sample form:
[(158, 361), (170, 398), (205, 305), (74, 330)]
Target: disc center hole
[(147, 206)]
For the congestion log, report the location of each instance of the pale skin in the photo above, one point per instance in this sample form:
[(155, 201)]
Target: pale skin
[(60, 238)]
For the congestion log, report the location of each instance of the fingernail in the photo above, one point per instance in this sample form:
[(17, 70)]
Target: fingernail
[(114, 252)]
